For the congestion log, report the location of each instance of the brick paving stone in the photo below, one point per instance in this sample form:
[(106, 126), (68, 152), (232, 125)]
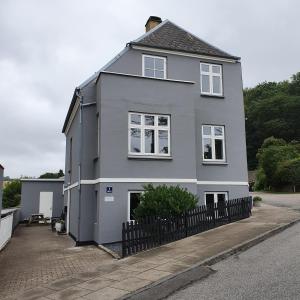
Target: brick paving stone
[(36, 256)]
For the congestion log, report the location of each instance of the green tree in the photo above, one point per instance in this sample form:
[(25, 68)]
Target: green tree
[(163, 201), (273, 154), (12, 194), (294, 87), (272, 109), (289, 172), (49, 175)]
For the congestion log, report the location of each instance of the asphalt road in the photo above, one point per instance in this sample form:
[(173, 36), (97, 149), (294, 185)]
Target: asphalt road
[(269, 270), (284, 200)]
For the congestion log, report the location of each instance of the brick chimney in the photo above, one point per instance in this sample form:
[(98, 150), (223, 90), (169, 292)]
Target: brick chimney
[(152, 22)]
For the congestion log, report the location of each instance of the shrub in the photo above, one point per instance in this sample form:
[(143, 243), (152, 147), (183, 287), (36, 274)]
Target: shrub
[(272, 154), (257, 199), (260, 182), (164, 201), (12, 194), (289, 172)]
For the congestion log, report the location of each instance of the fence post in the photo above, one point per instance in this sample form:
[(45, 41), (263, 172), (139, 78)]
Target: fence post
[(185, 224), (159, 231), (214, 214), (123, 240), (228, 211)]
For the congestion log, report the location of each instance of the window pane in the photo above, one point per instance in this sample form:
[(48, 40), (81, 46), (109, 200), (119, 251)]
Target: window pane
[(205, 83), (149, 73), (219, 149), (207, 148), (162, 121), (159, 64), (135, 140), (163, 141), (149, 63), (135, 119), (134, 202), (218, 131), (207, 130), (149, 120), (209, 199), (159, 74), (216, 69), (149, 141), (221, 205), (204, 68), (216, 85), (221, 198)]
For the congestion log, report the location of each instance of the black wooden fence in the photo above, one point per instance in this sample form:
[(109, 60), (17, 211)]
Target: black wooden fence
[(153, 231)]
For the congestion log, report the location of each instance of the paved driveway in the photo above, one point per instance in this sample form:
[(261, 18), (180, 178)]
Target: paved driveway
[(36, 256), (291, 200)]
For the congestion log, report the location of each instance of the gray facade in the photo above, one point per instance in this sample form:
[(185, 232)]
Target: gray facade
[(99, 129), (1, 186), (31, 195)]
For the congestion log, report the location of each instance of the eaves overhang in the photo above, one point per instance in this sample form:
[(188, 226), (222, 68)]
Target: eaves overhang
[(140, 46)]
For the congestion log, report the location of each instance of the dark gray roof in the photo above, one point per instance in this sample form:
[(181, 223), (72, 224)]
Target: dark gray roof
[(169, 36)]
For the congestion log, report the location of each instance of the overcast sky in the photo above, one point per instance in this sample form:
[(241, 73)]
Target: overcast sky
[(47, 48)]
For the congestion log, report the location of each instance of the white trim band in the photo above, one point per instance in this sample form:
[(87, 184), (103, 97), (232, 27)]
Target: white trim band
[(155, 180), (222, 182)]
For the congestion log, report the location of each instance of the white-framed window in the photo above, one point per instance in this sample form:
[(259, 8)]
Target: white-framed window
[(213, 143), (212, 198), (148, 134), (211, 79), (133, 202), (154, 66)]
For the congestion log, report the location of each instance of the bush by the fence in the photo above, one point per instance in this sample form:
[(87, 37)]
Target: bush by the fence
[(257, 199), (164, 201)]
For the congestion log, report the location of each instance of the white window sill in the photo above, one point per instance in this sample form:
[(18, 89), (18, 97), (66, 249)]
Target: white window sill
[(212, 96), (146, 157), (223, 163)]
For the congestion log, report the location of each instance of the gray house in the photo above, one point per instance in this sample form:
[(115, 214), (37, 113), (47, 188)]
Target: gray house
[(168, 109), (43, 196), (1, 186)]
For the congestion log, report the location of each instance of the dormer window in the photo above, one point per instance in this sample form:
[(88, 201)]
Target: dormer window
[(211, 79), (154, 66)]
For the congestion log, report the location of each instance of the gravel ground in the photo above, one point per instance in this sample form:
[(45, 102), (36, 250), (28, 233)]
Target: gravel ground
[(270, 270)]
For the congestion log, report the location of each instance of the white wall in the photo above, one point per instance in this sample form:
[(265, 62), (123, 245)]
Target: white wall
[(6, 226)]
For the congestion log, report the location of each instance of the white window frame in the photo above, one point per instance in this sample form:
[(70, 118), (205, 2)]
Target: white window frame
[(153, 56), (210, 73), (128, 202), (216, 196), (156, 129), (213, 137)]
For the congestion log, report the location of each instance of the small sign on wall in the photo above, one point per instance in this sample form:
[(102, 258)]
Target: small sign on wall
[(109, 189), (109, 199)]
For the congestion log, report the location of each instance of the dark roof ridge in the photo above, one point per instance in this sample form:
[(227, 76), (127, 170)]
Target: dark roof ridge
[(186, 41)]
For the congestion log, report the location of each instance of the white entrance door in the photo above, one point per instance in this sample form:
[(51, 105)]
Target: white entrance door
[(46, 202)]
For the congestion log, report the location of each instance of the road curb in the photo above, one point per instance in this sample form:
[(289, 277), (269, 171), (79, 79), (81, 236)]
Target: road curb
[(168, 285)]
